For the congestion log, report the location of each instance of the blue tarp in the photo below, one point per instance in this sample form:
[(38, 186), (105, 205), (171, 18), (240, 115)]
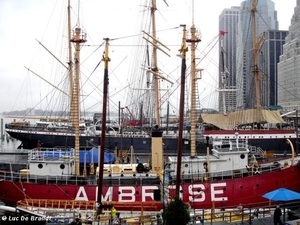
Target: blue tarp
[(108, 156), (186, 123)]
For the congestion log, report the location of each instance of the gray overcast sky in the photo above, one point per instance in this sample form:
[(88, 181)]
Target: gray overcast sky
[(23, 21)]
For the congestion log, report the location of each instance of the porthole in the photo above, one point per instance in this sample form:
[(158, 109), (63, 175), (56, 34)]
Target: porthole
[(40, 166), (62, 166)]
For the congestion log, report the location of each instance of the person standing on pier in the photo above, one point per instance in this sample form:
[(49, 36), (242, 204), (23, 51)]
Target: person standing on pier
[(277, 215), (113, 214)]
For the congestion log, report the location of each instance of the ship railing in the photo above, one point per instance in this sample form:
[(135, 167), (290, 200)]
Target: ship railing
[(33, 129), (25, 176), (254, 213), (233, 143), (257, 151), (244, 214), (231, 174), (62, 211), (44, 153), (146, 134)]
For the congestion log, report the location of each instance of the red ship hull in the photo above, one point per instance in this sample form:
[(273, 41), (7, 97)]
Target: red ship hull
[(246, 190)]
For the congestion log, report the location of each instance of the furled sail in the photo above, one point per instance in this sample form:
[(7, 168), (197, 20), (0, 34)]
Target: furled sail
[(235, 119)]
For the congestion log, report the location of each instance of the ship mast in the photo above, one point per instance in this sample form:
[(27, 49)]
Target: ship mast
[(70, 64), (193, 40), (156, 143), (256, 48), (106, 59), (224, 74), (183, 51), (154, 66), (78, 38)]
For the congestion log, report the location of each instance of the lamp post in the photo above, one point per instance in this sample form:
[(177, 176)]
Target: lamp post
[(166, 173)]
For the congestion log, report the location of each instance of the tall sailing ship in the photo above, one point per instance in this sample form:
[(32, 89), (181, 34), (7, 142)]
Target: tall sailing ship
[(120, 133)]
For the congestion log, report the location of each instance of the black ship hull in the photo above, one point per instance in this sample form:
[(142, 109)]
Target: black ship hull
[(140, 143)]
